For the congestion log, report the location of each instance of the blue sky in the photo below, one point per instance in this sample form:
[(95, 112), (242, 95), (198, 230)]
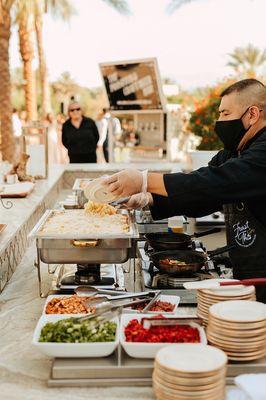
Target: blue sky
[(191, 45)]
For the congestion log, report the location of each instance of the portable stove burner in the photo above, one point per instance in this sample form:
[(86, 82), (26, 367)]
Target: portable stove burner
[(170, 281), (176, 282), (87, 274)]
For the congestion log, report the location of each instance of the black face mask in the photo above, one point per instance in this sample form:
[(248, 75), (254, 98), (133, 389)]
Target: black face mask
[(231, 132)]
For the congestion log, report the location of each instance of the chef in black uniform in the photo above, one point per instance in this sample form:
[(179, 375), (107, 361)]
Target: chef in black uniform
[(80, 136), (234, 181)]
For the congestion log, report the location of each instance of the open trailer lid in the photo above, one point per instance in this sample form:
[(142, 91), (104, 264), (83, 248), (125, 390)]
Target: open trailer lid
[(133, 85)]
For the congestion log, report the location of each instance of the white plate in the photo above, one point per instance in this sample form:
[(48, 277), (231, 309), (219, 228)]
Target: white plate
[(72, 350), (239, 311), (96, 192), (148, 350), (191, 358), (170, 299)]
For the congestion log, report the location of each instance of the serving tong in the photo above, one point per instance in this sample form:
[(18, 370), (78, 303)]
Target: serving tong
[(161, 321), (106, 311)]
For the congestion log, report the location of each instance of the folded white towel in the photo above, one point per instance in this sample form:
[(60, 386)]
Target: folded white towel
[(254, 385)]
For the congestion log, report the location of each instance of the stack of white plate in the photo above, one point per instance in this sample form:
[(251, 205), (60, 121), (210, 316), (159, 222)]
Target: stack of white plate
[(238, 328), (98, 193), (189, 371), (207, 297)]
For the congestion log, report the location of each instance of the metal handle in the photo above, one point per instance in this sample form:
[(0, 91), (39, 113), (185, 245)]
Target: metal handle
[(130, 296), (221, 250), (84, 243), (246, 282), (205, 233)]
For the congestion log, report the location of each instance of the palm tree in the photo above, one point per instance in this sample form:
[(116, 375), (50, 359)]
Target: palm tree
[(62, 9), (57, 8), (65, 87), (26, 28), (247, 60), (25, 20), (7, 140)]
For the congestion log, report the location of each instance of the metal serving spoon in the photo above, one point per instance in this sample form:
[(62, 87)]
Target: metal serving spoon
[(117, 295)]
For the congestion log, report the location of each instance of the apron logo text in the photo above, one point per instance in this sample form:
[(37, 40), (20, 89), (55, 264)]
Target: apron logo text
[(244, 235)]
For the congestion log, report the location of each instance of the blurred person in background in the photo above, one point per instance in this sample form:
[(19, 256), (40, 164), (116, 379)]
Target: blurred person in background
[(53, 150), (23, 117), (109, 126), (102, 145), (80, 136), (62, 151)]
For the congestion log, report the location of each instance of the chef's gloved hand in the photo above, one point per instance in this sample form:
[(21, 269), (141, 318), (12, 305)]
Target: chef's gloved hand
[(139, 201), (127, 182)]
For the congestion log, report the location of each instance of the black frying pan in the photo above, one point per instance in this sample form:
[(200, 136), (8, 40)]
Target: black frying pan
[(174, 241), (194, 260)]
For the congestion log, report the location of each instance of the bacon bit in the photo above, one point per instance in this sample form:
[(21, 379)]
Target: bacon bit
[(68, 305)]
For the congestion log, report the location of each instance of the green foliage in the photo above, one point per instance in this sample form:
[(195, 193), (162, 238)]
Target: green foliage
[(202, 121)]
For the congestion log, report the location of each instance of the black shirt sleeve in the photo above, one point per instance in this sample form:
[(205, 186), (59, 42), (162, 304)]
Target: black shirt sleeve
[(64, 136), (206, 189), (95, 132)]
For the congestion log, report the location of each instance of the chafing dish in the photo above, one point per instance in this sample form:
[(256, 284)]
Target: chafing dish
[(78, 188), (83, 248), (67, 248)]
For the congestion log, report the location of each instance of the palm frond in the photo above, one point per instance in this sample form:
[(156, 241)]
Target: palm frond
[(63, 9), (247, 59), (119, 5), (175, 4)]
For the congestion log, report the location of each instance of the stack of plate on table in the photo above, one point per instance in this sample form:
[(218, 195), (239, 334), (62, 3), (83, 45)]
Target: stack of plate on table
[(207, 297), (98, 193), (239, 329), (189, 371)]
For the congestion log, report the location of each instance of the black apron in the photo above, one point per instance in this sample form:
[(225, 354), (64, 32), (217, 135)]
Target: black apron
[(249, 236)]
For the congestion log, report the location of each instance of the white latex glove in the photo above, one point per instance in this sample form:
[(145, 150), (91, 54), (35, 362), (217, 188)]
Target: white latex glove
[(126, 183), (139, 200)]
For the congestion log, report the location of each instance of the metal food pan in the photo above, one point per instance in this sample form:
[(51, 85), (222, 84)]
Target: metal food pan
[(131, 233), (78, 182), (81, 198), (65, 251), (68, 249)]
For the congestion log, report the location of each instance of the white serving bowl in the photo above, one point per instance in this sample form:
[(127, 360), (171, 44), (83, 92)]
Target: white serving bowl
[(91, 349), (148, 350), (170, 299)]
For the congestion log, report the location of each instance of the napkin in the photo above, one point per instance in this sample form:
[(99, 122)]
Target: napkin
[(254, 385)]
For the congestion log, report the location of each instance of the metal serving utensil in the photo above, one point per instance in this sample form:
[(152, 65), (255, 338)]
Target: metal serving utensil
[(110, 306), (148, 322), (148, 306), (85, 290), (119, 202), (98, 300)]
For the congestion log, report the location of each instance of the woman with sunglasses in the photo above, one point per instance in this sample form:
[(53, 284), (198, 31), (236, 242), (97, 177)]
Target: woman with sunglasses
[(80, 136)]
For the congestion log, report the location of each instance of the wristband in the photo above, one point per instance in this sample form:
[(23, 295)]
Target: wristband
[(144, 181)]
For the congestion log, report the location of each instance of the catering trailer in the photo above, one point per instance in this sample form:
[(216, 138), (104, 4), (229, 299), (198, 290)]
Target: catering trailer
[(134, 93)]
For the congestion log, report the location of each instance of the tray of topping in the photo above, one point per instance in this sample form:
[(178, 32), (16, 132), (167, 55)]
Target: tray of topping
[(140, 337), (64, 336), (67, 304), (164, 304)]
